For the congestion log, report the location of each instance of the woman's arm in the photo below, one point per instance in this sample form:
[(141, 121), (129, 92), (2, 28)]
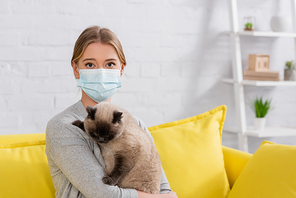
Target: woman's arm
[(171, 194), (71, 159)]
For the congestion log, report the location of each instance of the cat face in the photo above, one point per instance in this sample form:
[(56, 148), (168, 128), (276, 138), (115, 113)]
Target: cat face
[(103, 122)]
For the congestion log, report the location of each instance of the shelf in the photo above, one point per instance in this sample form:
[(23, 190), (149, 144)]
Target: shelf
[(267, 34), (279, 131), (264, 34), (262, 83)]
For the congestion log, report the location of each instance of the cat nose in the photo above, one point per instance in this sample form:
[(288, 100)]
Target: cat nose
[(101, 139)]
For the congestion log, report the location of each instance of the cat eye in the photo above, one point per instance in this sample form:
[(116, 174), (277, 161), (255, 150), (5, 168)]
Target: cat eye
[(94, 134)]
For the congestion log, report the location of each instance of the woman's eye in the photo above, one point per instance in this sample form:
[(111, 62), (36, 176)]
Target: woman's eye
[(110, 64), (90, 65)]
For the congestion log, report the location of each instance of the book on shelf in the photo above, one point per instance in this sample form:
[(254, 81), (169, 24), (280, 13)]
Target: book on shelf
[(260, 78), (261, 75)]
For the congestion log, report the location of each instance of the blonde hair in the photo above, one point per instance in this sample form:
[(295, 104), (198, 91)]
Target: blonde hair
[(96, 34)]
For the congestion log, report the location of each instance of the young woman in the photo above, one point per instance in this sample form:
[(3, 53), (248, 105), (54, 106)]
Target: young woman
[(75, 161)]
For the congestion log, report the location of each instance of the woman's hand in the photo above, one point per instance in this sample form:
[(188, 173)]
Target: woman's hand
[(146, 195), (171, 194)]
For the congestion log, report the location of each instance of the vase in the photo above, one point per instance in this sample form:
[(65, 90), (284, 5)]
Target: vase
[(259, 123), (290, 74), (280, 24)]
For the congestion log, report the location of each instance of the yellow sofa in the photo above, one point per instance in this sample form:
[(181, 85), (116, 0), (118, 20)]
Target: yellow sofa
[(24, 170)]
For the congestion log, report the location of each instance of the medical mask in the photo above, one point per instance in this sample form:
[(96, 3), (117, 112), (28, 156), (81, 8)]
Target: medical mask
[(99, 84)]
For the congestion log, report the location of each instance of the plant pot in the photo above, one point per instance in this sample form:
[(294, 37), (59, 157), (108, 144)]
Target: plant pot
[(249, 29), (290, 74), (259, 123)]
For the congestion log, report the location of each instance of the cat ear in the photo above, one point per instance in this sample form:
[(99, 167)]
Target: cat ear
[(79, 124), (91, 111), (117, 116)]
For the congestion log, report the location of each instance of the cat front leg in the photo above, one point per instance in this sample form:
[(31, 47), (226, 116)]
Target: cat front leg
[(108, 180), (79, 124), (121, 168)]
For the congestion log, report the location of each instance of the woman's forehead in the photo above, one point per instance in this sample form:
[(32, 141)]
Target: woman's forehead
[(100, 52)]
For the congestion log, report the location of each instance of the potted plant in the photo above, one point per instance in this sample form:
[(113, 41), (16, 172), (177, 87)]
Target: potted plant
[(290, 71), (261, 108), (249, 22), (249, 27)]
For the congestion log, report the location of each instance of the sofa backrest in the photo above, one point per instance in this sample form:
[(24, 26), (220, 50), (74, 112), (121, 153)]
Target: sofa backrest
[(23, 167)]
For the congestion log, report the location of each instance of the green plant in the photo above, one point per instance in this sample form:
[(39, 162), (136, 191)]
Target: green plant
[(249, 25), (260, 107), (290, 65)]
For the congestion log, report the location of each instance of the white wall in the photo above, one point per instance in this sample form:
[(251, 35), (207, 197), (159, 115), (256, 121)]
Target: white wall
[(176, 54)]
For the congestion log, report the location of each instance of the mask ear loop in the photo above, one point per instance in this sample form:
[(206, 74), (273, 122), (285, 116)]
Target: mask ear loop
[(78, 89), (76, 74), (121, 72)]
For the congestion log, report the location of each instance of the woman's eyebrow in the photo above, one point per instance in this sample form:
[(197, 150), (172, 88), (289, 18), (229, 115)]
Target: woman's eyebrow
[(89, 59), (111, 59)]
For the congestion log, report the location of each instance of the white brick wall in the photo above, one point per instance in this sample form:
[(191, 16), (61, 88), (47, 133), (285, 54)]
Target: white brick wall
[(176, 56)]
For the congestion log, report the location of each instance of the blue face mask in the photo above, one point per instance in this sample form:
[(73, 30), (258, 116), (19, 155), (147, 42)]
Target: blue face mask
[(99, 84)]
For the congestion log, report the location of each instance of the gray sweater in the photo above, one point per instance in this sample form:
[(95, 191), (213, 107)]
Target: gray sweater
[(75, 162)]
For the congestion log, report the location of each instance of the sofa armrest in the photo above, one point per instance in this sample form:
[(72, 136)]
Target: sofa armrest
[(234, 161)]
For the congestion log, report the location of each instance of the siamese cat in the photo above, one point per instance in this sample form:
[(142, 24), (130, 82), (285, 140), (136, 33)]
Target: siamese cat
[(131, 159)]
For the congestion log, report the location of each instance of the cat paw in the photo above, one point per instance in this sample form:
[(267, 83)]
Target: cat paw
[(108, 180)]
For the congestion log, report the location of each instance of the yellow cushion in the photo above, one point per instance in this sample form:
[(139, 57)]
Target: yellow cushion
[(191, 154), (270, 173), (17, 138), (24, 170), (234, 161)]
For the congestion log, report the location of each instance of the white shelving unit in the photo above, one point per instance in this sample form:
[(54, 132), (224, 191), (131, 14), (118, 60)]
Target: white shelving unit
[(238, 82), (261, 83), (275, 131), (267, 34)]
